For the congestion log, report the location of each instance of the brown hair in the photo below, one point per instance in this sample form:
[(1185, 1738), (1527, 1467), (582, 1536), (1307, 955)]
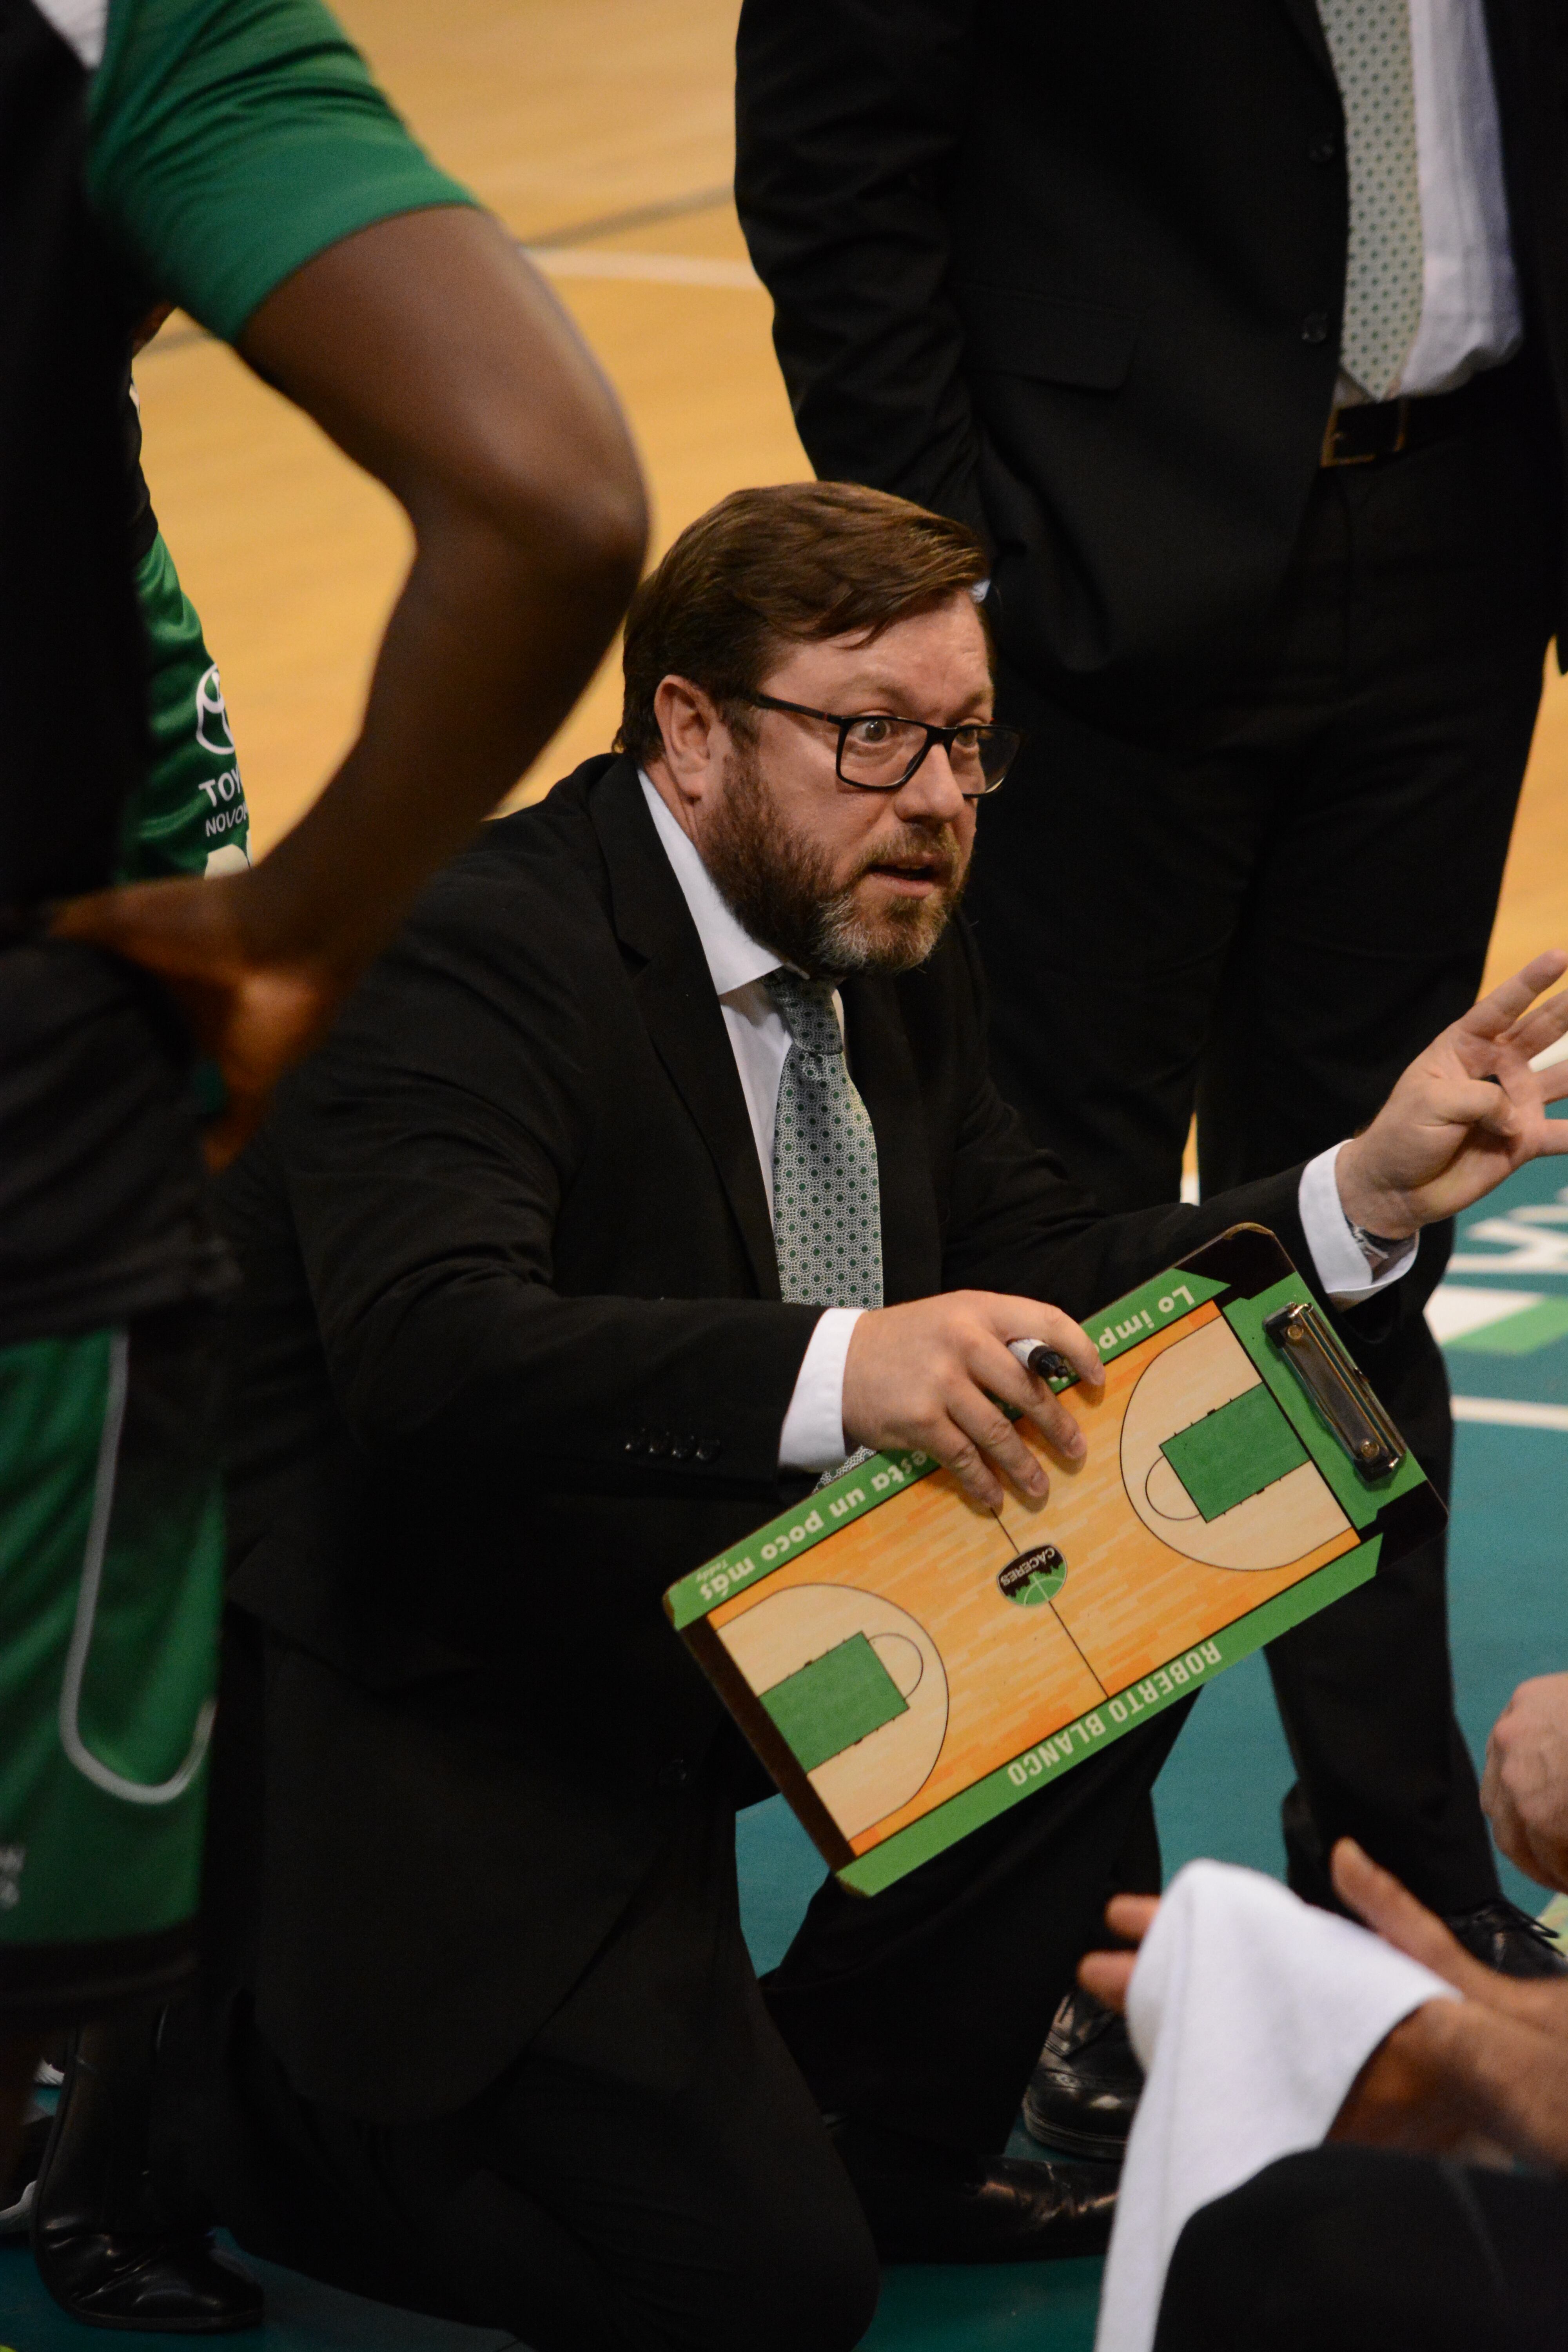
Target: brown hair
[(794, 563)]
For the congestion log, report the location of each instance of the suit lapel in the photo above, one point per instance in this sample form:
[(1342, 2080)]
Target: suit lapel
[(674, 991), (1303, 14), (883, 1069)]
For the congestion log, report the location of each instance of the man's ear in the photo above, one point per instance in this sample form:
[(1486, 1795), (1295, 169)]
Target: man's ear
[(694, 736)]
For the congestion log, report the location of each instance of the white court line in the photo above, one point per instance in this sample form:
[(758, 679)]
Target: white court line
[(650, 268), (1511, 1412), (1455, 1309)]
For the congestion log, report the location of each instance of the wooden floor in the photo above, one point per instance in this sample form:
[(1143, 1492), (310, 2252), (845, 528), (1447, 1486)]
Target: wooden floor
[(603, 127)]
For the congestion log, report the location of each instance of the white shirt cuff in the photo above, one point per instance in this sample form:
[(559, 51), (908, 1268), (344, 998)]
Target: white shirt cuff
[(1337, 1255), (812, 1437)]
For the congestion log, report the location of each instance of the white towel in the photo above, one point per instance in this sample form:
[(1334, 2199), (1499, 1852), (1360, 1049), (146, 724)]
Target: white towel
[(1252, 2015)]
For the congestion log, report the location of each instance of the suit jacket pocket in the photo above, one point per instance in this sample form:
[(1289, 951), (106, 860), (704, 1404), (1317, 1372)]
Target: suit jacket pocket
[(1049, 336)]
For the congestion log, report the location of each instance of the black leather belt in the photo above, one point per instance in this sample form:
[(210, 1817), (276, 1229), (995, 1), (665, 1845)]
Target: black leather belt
[(1369, 431)]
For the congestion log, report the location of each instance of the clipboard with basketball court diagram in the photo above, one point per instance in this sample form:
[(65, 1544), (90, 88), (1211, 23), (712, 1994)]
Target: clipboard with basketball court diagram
[(907, 1664)]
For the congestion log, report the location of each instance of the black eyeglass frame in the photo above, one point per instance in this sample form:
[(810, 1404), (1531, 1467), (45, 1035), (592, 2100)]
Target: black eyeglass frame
[(945, 736)]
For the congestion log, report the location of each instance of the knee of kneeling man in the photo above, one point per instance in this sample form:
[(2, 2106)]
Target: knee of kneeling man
[(819, 2288)]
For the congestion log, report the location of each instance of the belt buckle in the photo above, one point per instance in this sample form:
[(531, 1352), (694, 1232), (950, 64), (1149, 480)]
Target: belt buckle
[(1330, 453)]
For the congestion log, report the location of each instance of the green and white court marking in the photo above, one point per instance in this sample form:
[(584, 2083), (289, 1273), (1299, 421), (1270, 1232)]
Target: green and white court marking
[(1501, 1311)]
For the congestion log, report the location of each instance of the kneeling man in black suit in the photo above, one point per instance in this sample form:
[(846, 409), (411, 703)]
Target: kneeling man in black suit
[(654, 1169)]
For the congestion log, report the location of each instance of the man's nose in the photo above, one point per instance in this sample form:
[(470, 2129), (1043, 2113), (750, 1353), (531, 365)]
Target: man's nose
[(932, 791)]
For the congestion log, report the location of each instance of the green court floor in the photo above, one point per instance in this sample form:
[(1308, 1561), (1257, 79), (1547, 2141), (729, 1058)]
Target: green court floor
[(1503, 1316)]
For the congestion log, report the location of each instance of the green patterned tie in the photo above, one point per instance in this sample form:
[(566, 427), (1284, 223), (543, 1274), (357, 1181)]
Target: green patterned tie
[(827, 1202), (1369, 41)]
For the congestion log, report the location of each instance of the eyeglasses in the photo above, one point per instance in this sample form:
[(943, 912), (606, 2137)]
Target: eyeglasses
[(880, 753)]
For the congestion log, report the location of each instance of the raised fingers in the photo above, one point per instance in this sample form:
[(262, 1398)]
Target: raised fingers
[(1541, 1031), (1512, 998)]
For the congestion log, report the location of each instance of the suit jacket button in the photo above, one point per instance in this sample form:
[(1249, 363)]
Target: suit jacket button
[(674, 1774), (1322, 147), (659, 1441), (709, 1449), (636, 1443), (1315, 327), (681, 1449)]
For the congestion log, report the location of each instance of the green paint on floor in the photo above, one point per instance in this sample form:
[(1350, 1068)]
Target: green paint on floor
[(1019, 2307), (1516, 1335)]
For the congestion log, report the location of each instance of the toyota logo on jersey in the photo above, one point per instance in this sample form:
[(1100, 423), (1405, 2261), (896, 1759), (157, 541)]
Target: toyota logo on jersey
[(211, 715)]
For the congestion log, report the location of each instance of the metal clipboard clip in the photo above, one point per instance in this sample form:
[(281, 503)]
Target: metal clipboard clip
[(1338, 1387)]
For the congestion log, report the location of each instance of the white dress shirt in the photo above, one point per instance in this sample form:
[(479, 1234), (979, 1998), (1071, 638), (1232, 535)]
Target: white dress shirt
[(1471, 316), (812, 1437)]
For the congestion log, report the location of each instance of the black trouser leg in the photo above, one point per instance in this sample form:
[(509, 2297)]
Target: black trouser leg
[(1367, 2251), (650, 2176), (1263, 910), (1365, 932), (923, 2008)]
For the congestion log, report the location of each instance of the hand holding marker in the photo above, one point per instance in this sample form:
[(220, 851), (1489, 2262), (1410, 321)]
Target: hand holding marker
[(1046, 1363)]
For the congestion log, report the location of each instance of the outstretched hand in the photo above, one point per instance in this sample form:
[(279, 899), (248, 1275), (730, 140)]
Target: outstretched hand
[(1467, 1112), (1391, 1911), (1485, 2077)]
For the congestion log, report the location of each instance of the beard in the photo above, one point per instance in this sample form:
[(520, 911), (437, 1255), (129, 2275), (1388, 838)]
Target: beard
[(780, 887)]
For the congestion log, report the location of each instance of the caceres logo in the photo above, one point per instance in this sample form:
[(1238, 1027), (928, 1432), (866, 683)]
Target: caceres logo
[(213, 731), (1034, 1576)]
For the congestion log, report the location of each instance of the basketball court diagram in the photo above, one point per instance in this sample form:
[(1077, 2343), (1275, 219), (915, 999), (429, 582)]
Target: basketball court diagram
[(907, 1663)]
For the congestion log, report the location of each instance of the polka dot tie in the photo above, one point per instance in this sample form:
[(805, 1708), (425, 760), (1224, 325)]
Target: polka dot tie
[(827, 1202), (1369, 41)]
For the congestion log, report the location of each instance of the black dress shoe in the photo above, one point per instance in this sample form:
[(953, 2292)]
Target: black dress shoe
[(109, 2249), (1084, 2090), (169, 2285), (930, 2204), (1510, 1940)]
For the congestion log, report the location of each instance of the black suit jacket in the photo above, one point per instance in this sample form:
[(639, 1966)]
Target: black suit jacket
[(1075, 275), (511, 1359)]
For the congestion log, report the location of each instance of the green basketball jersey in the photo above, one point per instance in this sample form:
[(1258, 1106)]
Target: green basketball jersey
[(189, 815)]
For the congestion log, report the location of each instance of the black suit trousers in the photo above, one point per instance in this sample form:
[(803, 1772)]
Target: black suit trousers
[(923, 2008), (652, 2174), (1366, 2250), (1260, 910)]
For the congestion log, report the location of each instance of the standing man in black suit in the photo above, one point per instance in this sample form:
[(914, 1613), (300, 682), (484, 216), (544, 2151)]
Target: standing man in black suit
[(657, 1167), (1238, 333)]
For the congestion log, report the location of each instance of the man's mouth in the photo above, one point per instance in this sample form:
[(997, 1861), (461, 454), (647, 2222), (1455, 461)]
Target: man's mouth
[(912, 878)]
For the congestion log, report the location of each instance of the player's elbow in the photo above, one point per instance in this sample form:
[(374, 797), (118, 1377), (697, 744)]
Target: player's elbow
[(570, 523), (598, 522)]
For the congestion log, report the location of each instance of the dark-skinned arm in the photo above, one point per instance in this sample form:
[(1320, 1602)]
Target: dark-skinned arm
[(1481, 2077), (434, 355)]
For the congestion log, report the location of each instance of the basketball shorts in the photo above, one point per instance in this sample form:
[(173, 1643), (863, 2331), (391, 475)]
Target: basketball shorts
[(110, 1588)]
